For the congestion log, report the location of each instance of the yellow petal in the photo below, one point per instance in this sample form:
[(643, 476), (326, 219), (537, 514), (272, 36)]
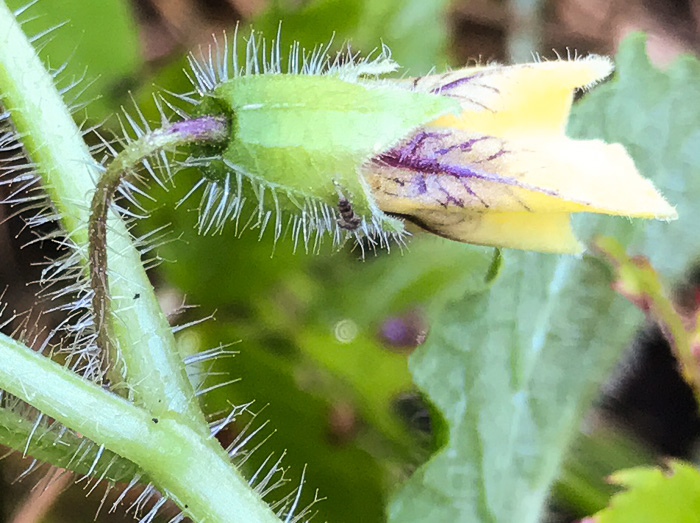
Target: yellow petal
[(448, 170), (517, 99), (502, 172), (545, 232), (586, 175)]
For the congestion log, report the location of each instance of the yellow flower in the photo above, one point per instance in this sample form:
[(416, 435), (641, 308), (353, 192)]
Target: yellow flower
[(503, 172)]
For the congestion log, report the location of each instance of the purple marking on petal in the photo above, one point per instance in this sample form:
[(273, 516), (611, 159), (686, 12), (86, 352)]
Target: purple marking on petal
[(494, 156), (451, 199), (460, 81), (419, 182), (427, 164), (464, 146), (464, 184), (424, 162), (456, 83), (417, 142)]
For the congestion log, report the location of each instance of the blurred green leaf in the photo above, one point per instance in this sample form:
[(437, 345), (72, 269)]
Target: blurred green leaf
[(360, 297), (415, 30), (656, 116), (313, 422), (310, 23), (430, 269), (654, 495), (514, 370), (99, 42)]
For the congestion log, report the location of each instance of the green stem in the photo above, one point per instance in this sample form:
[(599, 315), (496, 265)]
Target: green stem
[(156, 373), (205, 129), (64, 449), (190, 468)]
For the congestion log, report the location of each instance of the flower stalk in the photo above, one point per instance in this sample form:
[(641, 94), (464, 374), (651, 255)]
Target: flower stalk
[(637, 280), (202, 130)]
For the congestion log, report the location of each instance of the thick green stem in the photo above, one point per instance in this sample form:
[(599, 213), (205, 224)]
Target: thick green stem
[(191, 468), (168, 438), (202, 129), (156, 373)]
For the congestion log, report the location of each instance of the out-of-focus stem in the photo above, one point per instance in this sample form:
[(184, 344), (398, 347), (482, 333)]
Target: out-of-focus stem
[(525, 31)]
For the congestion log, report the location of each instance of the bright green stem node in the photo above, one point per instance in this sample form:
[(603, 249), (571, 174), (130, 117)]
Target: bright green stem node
[(203, 130), (191, 468)]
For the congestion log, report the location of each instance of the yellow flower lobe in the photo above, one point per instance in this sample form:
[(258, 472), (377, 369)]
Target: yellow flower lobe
[(502, 172)]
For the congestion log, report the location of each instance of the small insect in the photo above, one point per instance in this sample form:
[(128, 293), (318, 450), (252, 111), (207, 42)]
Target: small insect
[(348, 219)]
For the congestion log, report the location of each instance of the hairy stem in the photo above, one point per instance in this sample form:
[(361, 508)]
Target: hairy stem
[(156, 374), (50, 443), (202, 129), (189, 467), (164, 433)]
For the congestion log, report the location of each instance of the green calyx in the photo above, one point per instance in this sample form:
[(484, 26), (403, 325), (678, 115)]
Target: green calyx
[(303, 138)]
